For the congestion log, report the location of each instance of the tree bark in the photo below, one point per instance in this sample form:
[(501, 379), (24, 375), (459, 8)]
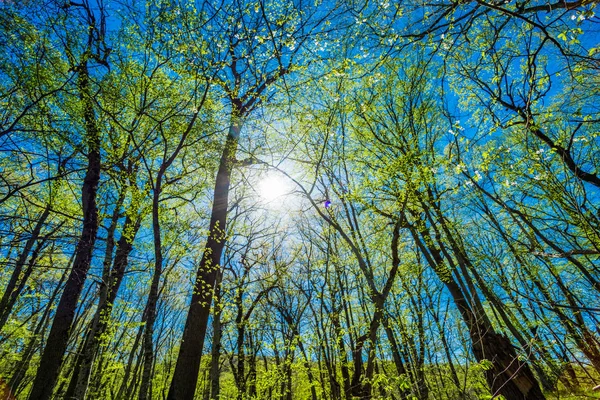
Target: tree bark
[(58, 337), (183, 385), (507, 376)]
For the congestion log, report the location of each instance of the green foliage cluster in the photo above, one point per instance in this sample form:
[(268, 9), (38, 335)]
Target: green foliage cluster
[(285, 199)]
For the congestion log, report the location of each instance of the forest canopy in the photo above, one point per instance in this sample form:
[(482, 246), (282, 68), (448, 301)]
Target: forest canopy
[(290, 199)]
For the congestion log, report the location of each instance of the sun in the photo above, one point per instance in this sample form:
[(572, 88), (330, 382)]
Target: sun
[(272, 187)]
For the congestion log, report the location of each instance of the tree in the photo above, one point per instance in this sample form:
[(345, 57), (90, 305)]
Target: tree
[(93, 49), (261, 43), (386, 200)]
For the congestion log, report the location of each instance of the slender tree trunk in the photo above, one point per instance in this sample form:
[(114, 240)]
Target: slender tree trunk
[(240, 375), (58, 337), (18, 278), (288, 378), (126, 386), (342, 350), (467, 267), (215, 372), (293, 326), (148, 341), (442, 330), (270, 388), (252, 373), (547, 381), (205, 385), (105, 306), (108, 253), (38, 334), (398, 363), (130, 387), (12, 299), (311, 379)]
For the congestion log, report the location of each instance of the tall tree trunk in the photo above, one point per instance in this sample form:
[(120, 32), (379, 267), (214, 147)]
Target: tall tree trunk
[(270, 387), (185, 377), (148, 342), (288, 377), (58, 337), (150, 313)]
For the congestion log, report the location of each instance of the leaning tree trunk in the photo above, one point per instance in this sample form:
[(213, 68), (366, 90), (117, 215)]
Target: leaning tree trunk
[(58, 337), (38, 334), (507, 375), (17, 277)]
